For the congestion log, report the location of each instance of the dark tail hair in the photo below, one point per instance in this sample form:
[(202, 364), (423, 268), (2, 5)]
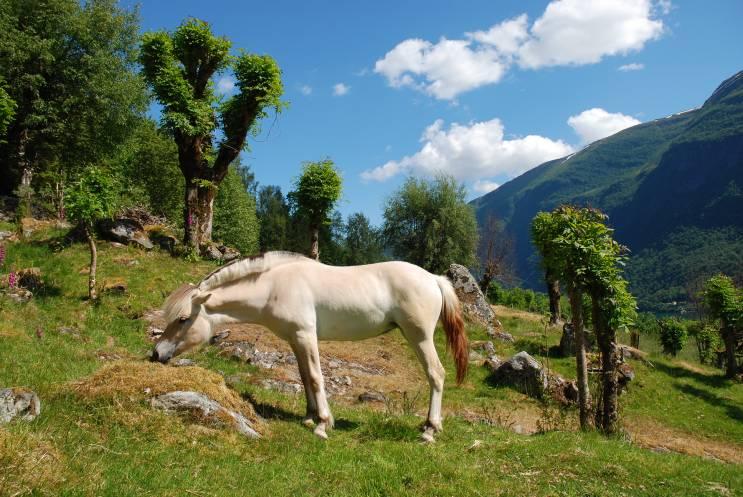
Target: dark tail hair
[(456, 337)]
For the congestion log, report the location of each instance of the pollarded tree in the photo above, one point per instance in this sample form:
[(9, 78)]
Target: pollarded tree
[(179, 67), (429, 223), (543, 232), (90, 199), (725, 303), (315, 193)]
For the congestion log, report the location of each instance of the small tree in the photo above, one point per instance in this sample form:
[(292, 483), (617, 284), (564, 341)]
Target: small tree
[(429, 223), (315, 193), (725, 302), (179, 67), (363, 241), (495, 253), (90, 199), (543, 232), (672, 335)]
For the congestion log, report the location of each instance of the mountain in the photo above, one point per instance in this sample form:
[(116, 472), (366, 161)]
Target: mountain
[(673, 190)]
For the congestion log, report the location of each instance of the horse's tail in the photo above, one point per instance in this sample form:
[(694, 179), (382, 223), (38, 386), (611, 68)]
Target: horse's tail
[(451, 318)]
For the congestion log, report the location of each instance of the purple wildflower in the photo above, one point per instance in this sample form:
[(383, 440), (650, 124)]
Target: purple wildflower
[(12, 279), (2, 255)]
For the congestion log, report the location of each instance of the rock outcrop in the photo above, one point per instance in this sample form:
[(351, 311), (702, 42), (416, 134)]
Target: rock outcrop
[(475, 306), (18, 403)]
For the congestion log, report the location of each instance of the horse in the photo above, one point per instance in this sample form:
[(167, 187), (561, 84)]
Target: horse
[(303, 301)]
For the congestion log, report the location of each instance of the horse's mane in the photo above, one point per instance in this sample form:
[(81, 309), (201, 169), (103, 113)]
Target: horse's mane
[(179, 302)]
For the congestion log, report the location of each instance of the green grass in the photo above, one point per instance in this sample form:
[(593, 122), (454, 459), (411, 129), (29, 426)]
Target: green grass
[(117, 446)]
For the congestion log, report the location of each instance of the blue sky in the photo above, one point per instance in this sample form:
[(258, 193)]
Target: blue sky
[(482, 90)]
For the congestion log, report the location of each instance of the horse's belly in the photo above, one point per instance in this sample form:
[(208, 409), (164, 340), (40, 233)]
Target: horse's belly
[(352, 326)]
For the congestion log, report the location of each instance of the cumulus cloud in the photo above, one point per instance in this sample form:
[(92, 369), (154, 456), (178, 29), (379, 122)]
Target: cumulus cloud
[(340, 89), (594, 124), (484, 186), (305, 90), (474, 151), (225, 85), (634, 66), (569, 32)]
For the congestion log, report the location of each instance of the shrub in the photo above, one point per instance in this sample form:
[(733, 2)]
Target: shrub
[(672, 335)]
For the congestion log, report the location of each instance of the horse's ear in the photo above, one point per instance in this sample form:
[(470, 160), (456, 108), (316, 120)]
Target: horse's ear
[(200, 299)]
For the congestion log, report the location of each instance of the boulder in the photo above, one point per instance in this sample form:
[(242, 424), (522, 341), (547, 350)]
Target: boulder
[(18, 403), (6, 235), (204, 409), (371, 396), (127, 231), (475, 306), (524, 373), (493, 362), (229, 253), (212, 252)]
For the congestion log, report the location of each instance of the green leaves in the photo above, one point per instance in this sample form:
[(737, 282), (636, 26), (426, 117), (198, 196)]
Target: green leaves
[(673, 335), (7, 110), (92, 197), (724, 300), (317, 190)]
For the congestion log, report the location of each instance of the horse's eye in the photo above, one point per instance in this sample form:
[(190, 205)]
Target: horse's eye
[(183, 319)]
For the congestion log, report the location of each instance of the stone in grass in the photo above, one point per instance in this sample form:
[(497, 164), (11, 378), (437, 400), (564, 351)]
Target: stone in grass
[(205, 409), (524, 373), (281, 386), (183, 362), (18, 403), (372, 396)]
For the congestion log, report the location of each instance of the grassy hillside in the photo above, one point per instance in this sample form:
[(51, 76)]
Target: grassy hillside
[(657, 181), (683, 422)]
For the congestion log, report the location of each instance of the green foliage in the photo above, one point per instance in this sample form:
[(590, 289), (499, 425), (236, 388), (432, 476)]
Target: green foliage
[(316, 191), (69, 67), (7, 111), (519, 298), (363, 241), (429, 224), (235, 221), (647, 324), (273, 213), (724, 300), (672, 335), (92, 197), (707, 337)]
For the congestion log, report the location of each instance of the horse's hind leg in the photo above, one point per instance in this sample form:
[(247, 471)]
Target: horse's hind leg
[(303, 365), (422, 342), (305, 346)]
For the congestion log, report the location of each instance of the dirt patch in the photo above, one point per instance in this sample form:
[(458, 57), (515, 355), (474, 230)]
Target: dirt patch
[(135, 381), (30, 465), (384, 364), (648, 433)]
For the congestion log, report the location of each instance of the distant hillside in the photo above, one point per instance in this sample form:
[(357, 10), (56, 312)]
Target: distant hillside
[(673, 189)]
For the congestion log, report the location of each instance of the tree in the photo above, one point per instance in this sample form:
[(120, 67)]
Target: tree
[(363, 241), (273, 215), (7, 111), (90, 199), (69, 68), (429, 223), (495, 253), (315, 193), (543, 232), (179, 67), (235, 222), (672, 335), (725, 302)]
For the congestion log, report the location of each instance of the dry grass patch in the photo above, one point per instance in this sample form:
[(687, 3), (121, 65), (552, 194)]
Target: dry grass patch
[(136, 381), (502, 311), (29, 465)]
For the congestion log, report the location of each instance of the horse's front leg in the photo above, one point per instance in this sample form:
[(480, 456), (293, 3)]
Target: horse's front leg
[(305, 344), (309, 394)]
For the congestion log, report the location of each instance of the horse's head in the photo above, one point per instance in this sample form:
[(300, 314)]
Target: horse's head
[(188, 324)]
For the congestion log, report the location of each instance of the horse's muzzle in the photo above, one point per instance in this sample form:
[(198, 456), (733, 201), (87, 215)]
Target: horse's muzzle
[(155, 357)]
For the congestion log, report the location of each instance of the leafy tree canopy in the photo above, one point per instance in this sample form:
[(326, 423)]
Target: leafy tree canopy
[(317, 190), (92, 197)]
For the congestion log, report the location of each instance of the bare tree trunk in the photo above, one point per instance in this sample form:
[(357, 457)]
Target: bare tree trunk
[(198, 216), (606, 415), (584, 395), (553, 290), (315, 243), (728, 336), (92, 293)]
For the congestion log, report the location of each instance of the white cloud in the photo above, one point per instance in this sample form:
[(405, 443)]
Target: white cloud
[(225, 85), (340, 89), (472, 152), (484, 186), (634, 66), (569, 32), (594, 124), (305, 90)]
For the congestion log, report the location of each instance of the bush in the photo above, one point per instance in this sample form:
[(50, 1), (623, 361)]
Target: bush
[(708, 340), (672, 335), (235, 221), (518, 298)]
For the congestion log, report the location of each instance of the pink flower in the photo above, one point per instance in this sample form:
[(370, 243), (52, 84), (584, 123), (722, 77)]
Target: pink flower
[(2, 255), (12, 279)]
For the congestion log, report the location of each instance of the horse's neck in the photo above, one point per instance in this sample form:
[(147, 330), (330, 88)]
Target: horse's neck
[(239, 302)]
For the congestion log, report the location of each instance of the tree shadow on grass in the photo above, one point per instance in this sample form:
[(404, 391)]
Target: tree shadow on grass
[(712, 380), (734, 411)]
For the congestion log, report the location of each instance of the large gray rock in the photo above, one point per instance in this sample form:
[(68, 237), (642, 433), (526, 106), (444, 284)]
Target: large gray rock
[(205, 409), (126, 231), (524, 373), (18, 403), (475, 306)]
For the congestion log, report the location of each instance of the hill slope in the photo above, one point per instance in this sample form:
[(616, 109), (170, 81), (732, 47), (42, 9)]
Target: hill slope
[(671, 180)]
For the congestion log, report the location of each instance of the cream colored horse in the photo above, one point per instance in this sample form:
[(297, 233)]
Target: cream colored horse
[(303, 301)]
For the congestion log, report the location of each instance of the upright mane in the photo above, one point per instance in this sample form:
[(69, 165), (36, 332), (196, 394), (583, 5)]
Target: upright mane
[(240, 268)]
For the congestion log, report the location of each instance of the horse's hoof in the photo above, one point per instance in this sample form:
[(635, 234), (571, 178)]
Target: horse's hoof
[(427, 437), (308, 422), (320, 432)]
